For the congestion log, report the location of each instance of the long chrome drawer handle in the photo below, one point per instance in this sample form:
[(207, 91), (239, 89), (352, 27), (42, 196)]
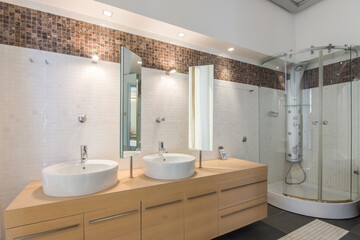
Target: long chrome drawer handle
[(232, 188), (236, 212), (47, 232), (163, 204), (113, 216), (202, 195)]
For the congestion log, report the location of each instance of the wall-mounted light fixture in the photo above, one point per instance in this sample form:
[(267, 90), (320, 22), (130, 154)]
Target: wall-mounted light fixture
[(171, 70), (95, 58)]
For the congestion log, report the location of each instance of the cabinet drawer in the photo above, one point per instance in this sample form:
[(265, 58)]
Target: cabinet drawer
[(233, 193), (201, 213), (239, 216), (163, 218), (69, 228), (120, 222)]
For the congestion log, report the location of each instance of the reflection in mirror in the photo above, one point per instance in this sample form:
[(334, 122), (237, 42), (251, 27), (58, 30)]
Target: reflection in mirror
[(201, 85), (130, 103)]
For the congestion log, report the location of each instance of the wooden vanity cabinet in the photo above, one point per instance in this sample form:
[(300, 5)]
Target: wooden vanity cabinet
[(223, 196), (120, 222), (69, 228), (163, 217), (201, 212)]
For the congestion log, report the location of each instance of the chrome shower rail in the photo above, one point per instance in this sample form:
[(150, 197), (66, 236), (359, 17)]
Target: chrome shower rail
[(312, 49)]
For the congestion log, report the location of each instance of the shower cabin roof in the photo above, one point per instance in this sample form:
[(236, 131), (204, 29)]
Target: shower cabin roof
[(294, 6), (331, 54)]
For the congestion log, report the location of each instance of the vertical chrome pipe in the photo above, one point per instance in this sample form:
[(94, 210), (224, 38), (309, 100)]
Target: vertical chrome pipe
[(131, 167), (200, 159), (321, 83)]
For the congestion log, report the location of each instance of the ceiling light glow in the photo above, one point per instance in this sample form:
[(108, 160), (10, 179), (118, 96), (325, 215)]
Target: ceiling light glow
[(107, 13), (231, 49), (181, 34)]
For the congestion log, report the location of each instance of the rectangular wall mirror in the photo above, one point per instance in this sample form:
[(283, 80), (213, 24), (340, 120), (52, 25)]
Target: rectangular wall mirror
[(130, 103), (201, 91)]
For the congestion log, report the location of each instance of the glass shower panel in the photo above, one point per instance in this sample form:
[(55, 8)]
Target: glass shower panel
[(355, 69), (302, 133), (272, 122), (337, 127)]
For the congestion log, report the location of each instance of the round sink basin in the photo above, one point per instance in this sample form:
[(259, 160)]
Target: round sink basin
[(77, 179), (169, 166)]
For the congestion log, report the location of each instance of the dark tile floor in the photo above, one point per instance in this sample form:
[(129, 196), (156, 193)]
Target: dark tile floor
[(280, 222)]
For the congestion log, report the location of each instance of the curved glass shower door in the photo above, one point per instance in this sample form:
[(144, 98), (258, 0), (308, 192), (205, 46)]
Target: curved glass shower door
[(306, 126), (302, 119), (337, 126)]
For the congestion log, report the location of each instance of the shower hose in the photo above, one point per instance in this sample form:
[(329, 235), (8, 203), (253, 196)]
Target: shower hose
[(288, 172)]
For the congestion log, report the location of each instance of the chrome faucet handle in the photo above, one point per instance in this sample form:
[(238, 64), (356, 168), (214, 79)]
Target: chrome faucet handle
[(83, 153), (161, 149)]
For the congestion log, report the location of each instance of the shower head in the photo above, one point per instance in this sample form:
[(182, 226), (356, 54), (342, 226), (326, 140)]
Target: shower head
[(299, 68)]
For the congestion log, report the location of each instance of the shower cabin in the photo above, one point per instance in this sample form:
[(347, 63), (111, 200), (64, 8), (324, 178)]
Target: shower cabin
[(309, 131)]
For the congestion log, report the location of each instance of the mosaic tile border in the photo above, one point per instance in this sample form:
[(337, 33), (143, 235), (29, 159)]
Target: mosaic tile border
[(24, 27)]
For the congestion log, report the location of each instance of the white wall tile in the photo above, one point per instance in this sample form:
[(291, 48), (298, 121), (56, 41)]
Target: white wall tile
[(40, 103)]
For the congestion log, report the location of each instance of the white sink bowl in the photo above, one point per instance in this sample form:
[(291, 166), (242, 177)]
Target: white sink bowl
[(169, 166), (77, 179)]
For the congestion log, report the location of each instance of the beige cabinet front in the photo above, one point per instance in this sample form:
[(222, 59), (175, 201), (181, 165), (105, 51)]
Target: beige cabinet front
[(236, 192), (69, 228), (163, 218), (232, 218), (120, 222), (201, 213)]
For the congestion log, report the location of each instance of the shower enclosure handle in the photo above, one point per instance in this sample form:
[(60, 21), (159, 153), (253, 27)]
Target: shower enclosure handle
[(315, 123), (325, 122)]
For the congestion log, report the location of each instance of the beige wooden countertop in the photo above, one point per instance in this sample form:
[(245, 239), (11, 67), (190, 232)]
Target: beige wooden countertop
[(32, 196)]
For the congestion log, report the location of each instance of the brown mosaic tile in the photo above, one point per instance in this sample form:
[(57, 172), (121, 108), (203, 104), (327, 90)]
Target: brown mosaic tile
[(340, 72), (24, 27)]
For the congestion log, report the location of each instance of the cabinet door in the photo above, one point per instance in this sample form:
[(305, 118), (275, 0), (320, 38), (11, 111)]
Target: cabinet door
[(241, 215), (163, 218), (201, 213), (120, 222), (236, 192), (69, 228)]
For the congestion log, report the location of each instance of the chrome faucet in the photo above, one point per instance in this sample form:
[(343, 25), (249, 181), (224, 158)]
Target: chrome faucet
[(161, 149), (83, 153)]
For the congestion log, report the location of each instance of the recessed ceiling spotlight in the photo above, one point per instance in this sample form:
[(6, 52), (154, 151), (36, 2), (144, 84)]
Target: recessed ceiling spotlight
[(231, 49), (107, 13), (139, 62), (277, 67), (181, 34), (95, 58)]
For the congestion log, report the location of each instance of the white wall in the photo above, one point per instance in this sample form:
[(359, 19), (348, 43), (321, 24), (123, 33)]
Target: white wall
[(253, 24), (329, 21), (39, 105)]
